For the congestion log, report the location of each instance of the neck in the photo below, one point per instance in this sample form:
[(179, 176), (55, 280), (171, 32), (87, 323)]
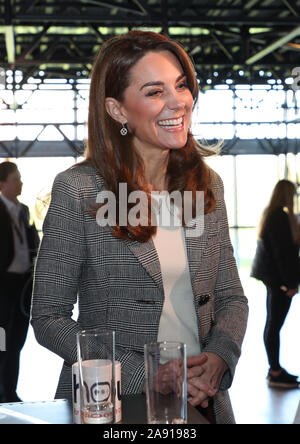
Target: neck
[(156, 164), (11, 198)]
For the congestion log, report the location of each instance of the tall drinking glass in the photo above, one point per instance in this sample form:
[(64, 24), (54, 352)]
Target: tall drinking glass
[(96, 362), (166, 389)]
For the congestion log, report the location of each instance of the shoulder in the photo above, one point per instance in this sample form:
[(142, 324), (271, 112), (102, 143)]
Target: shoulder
[(277, 223), (217, 186), (215, 180), (79, 173), (279, 212), (2, 205), (24, 209), (79, 179), (3, 212), (278, 216), (3, 208), (24, 206)]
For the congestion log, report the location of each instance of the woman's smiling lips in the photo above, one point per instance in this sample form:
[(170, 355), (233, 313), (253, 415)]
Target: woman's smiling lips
[(172, 125)]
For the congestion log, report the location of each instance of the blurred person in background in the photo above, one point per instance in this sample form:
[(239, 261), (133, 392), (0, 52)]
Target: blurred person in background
[(19, 242), (277, 265)]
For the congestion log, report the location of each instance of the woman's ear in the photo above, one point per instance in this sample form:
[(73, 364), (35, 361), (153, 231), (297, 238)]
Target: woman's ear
[(114, 109)]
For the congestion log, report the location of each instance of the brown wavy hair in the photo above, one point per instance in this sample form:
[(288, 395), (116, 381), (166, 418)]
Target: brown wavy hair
[(113, 155), (282, 197)]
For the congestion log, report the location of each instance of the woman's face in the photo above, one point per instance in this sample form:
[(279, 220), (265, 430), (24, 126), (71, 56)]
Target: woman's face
[(157, 103)]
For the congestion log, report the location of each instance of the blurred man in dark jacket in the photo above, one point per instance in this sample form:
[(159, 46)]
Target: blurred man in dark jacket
[(18, 246)]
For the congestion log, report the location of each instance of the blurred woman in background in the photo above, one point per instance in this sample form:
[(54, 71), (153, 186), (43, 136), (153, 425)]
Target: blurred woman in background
[(277, 265)]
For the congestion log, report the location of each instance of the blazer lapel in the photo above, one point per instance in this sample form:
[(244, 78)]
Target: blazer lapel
[(146, 253), (196, 237)]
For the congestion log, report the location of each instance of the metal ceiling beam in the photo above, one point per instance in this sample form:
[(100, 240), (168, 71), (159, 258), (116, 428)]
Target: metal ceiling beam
[(9, 32), (291, 6), (275, 45), (250, 5), (27, 5), (6, 150), (10, 44), (16, 148), (27, 51), (211, 33), (114, 5), (174, 20), (141, 4), (207, 63), (222, 46)]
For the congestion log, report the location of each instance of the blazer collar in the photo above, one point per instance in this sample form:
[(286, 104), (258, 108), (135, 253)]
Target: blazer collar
[(11, 207), (146, 253), (196, 237)]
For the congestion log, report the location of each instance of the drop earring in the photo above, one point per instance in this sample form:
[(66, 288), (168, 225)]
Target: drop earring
[(124, 130)]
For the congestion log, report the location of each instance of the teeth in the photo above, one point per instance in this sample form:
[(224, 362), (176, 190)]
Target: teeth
[(172, 122)]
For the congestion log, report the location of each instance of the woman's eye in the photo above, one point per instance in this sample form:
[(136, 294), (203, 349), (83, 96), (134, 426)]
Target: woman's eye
[(154, 93), (182, 85)]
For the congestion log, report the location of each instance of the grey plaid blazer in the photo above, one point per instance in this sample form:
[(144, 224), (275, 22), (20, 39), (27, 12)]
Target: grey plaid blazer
[(119, 286)]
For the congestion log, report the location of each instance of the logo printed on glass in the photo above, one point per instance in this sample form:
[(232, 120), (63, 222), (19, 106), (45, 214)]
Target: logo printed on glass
[(100, 391)]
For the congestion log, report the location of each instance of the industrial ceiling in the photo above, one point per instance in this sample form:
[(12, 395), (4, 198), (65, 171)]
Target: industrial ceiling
[(244, 40)]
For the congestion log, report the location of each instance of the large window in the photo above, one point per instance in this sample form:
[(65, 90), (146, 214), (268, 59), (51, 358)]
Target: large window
[(248, 112), (56, 109), (248, 184), (37, 176), (42, 109), (249, 181)]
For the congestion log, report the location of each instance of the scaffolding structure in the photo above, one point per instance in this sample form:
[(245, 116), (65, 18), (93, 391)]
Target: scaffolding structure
[(49, 45)]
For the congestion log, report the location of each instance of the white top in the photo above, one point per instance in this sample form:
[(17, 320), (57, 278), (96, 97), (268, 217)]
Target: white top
[(21, 261), (178, 320)]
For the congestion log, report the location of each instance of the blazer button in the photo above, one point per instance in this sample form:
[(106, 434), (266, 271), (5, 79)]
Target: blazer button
[(203, 299)]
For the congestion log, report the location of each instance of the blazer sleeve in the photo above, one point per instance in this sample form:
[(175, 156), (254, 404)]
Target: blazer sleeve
[(231, 305), (59, 265), (58, 269)]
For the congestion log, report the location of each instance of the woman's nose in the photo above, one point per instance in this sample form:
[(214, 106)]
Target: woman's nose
[(174, 102)]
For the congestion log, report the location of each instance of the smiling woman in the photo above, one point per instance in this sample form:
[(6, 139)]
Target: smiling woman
[(148, 282), (146, 83), (158, 113)]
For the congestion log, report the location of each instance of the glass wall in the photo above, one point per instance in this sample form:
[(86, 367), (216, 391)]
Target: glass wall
[(248, 112), (248, 184), (42, 109), (53, 109), (249, 181)]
